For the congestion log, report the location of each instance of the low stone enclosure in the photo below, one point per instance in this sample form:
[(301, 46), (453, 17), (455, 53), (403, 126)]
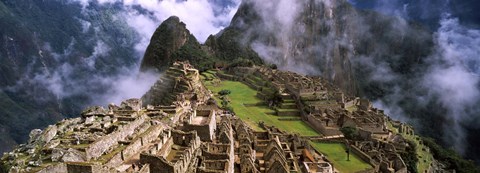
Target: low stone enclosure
[(179, 131)]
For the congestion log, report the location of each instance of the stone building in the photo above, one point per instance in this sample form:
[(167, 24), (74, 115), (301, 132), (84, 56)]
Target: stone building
[(175, 128)]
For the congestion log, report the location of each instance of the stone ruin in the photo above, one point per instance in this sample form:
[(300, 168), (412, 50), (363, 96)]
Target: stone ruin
[(326, 109), (174, 128)]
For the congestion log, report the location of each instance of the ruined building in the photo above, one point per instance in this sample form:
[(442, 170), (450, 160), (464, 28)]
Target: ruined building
[(175, 129)]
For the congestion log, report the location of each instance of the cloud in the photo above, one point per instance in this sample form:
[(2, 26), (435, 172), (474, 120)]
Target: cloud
[(448, 79), (66, 77), (132, 85), (453, 77), (203, 17)]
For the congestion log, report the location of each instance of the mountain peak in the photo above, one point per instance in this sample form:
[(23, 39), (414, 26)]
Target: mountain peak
[(170, 36)]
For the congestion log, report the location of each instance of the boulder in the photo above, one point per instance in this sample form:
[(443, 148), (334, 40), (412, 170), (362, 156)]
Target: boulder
[(112, 107), (34, 135), (52, 144), (94, 111), (131, 104), (35, 163), (70, 155), (89, 120), (57, 154), (49, 134)]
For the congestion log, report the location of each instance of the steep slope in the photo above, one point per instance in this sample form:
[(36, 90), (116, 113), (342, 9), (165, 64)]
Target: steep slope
[(170, 36), (55, 59), (173, 41)]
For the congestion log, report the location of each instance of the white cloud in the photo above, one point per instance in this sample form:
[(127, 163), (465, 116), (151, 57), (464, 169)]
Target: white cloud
[(199, 15), (454, 76)]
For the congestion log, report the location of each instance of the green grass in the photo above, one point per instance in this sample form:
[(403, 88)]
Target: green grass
[(208, 75), (243, 95), (422, 166), (287, 110), (335, 152)]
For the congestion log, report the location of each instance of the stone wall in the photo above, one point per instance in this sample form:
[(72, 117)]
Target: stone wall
[(206, 131), (166, 148), (288, 113), (318, 125), (145, 169), (57, 168), (156, 163), (221, 165), (97, 148), (85, 168), (365, 157), (227, 77), (149, 136), (214, 156)]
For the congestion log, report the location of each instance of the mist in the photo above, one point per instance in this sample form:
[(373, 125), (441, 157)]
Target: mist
[(441, 85), (451, 77), (89, 75)]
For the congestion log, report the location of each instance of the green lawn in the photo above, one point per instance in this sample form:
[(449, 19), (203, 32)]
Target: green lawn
[(243, 95), (335, 152)]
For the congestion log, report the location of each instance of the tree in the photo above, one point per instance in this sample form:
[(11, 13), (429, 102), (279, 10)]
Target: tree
[(225, 102), (410, 156), (349, 132), (223, 93), (275, 99), (273, 66), (224, 96)]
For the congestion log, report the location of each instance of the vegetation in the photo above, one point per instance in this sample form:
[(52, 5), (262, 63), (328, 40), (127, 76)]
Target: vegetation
[(227, 47), (423, 158), (410, 157), (252, 110), (336, 153), (273, 66), (224, 96), (241, 62), (350, 132), (450, 157), (275, 100), (224, 92)]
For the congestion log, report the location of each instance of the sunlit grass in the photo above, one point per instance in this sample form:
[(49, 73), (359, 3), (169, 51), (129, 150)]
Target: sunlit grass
[(242, 100), (336, 153)]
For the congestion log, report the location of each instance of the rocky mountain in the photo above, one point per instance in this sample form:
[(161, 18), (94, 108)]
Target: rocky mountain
[(55, 58), (173, 41)]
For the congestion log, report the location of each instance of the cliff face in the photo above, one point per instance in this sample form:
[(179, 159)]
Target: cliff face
[(326, 37)]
